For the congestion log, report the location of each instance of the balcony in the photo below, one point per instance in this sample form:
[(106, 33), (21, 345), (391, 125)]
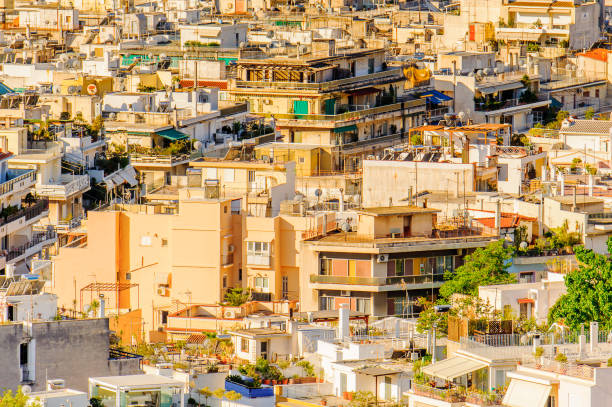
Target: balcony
[(382, 283), (388, 76), (335, 119), (29, 213), (35, 245), (159, 160), (258, 260), (17, 181), (227, 259), (65, 187), (506, 105)]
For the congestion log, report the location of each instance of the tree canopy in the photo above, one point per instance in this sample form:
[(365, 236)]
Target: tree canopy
[(486, 266), (17, 399), (589, 291)]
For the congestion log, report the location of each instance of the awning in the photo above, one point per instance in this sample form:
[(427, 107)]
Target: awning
[(344, 129), (522, 393), (451, 368), (172, 134), (365, 91), (525, 301), (555, 103), (434, 95), (500, 88), (119, 177)]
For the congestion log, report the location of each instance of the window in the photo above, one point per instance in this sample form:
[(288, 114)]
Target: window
[(251, 176), (244, 345), (258, 248), (326, 303), (164, 242), (240, 274), (301, 160), (363, 305), (326, 267), (399, 267), (163, 316), (224, 281), (285, 286), (587, 94), (371, 65), (202, 98), (225, 209), (145, 241), (596, 93), (261, 284)]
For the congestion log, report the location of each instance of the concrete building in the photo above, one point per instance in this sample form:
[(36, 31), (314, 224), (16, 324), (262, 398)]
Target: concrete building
[(23, 300), (71, 350), (396, 255), (224, 35)]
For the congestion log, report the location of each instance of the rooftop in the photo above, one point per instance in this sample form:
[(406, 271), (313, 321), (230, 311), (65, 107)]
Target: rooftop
[(587, 126), (139, 380), (396, 210), (259, 332)]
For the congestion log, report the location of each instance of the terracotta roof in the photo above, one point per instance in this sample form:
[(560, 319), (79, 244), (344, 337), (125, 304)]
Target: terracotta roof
[(599, 54), (4, 155), (188, 83), (506, 221)]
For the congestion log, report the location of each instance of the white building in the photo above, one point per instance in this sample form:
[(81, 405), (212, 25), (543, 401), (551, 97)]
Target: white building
[(23, 300), (222, 35), (49, 18)]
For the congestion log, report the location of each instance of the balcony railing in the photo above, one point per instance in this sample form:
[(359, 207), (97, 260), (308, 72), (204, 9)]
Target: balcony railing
[(227, 259), (36, 240), (363, 80), (359, 114), (159, 159), (29, 212), (376, 281), (448, 395), (66, 186), (20, 176), (504, 104), (256, 260)]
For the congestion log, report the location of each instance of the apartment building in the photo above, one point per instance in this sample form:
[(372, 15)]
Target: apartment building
[(19, 242), (348, 101), (63, 192), (396, 255)]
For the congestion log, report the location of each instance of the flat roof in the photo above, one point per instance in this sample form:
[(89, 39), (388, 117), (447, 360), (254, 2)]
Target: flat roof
[(395, 210), (580, 199), (259, 332), (138, 380)]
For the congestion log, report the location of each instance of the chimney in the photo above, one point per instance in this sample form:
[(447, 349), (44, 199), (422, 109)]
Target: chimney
[(102, 305), (343, 321)]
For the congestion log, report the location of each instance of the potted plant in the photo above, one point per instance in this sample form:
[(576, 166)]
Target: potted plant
[(323, 402)]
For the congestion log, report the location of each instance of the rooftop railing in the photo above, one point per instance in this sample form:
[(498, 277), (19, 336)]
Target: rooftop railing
[(376, 281), (19, 176)]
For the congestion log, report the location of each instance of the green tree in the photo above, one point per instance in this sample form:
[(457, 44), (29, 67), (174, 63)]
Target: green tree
[(93, 307), (589, 114), (16, 399), (237, 296), (428, 317), (486, 266), (589, 291), (233, 396)]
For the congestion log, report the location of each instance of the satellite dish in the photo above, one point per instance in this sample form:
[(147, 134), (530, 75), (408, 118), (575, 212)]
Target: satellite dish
[(26, 389), (197, 145), (318, 192)]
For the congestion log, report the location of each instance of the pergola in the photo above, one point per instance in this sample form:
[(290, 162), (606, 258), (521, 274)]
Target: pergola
[(108, 287)]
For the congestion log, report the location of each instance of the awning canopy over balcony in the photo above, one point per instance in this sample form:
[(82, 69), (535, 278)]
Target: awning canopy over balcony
[(435, 97), (172, 134), (451, 368), (523, 393)]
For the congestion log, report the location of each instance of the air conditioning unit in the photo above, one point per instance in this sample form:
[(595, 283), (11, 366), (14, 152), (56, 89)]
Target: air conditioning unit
[(229, 314), (163, 291), (382, 258), (345, 293)]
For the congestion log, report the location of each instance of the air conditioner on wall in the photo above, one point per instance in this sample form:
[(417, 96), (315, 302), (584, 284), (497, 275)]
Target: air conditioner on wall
[(382, 258)]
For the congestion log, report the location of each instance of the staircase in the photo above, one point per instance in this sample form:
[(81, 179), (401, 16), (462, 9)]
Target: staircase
[(72, 167)]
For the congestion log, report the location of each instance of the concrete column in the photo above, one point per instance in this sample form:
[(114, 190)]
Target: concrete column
[(591, 184), (581, 345), (343, 321), (544, 173), (594, 332), (561, 184)]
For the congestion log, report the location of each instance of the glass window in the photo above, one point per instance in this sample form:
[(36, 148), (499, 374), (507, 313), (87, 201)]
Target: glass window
[(363, 305), (399, 267), (326, 303), (244, 345)]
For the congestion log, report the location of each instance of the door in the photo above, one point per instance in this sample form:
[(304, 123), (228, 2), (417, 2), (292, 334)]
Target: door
[(387, 388), (343, 385), (330, 106), (300, 106), (263, 350)]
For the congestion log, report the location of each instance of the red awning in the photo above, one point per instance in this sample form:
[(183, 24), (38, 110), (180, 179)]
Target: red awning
[(525, 301)]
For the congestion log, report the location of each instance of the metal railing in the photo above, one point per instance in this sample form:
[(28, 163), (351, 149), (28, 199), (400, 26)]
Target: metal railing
[(29, 212), (359, 114), (114, 353), (227, 259), (138, 158), (324, 86), (448, 395), (66, 186), (565, 368), (36, 240), (504, 104), (9, 185), (377, 281)]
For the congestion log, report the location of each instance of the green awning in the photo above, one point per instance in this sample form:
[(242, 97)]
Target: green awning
[(555, 103), (344, 129), (172, 134)]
